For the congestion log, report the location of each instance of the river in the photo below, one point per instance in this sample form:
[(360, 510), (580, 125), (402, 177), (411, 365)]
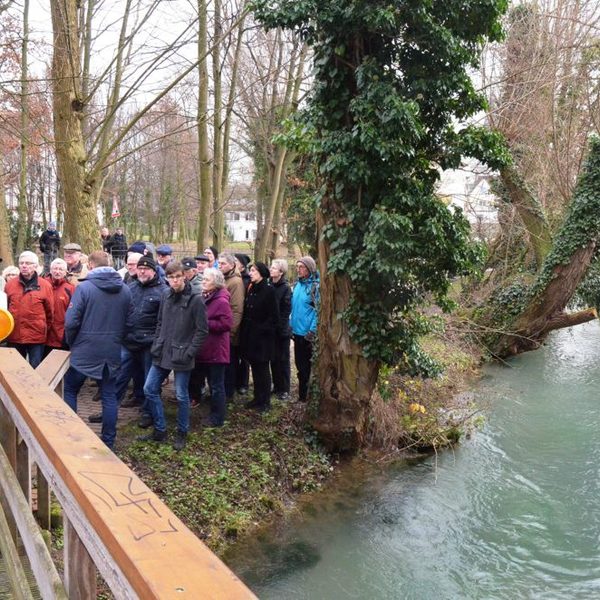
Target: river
[(513, 512)]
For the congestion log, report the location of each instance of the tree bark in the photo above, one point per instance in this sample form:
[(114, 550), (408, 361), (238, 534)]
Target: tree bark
[(346, 379), (79, 198), (564, 267), (6, 251)]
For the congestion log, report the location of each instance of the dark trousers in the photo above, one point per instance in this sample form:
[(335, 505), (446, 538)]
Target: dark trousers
[(242, 373), (197, 381), (33, 352), (231, 371), (262, 383), (280, 367), (216, 379), (302, 357), (134, 364)]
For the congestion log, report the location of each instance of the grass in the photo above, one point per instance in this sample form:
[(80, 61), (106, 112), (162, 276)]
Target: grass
[(228, 479)]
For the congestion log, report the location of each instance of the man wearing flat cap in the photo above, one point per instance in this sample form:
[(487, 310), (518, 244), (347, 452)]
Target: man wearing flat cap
[(76, 270), (190, 272), (164, 255)]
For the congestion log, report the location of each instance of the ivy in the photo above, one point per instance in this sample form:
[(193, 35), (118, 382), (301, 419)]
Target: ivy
[(391, 81)]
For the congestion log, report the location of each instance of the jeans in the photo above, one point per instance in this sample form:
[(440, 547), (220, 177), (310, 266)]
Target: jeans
[(216, 379), (280, 367), (34, 351), (73, 381), (136, 364), (156, 376), (303, 350)]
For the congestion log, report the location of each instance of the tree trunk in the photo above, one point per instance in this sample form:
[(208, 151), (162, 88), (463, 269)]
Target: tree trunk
[(531, 212), (6, 251), (346, 379), (564, 267), (22, 229), (204, 162), (79, 195)]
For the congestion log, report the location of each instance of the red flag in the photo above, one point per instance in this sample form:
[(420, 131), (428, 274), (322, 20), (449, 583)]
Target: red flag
[(115, 207)]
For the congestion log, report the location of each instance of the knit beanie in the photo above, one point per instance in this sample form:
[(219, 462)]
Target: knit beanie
[(309, 263), (147, 261), (243, 258)]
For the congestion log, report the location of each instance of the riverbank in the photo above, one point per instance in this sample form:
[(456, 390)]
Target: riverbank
[(231, 479)]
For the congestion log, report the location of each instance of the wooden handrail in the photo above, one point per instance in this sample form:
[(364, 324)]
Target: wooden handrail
[(141, 549)]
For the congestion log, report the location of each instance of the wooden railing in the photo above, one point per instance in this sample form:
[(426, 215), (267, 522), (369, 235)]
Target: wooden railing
[(112, 522)]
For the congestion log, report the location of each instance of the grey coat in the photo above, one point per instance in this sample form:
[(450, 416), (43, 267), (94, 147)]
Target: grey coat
[(181, 330)]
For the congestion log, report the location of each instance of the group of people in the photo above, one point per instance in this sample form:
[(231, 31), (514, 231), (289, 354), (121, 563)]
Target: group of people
[(208, 320)]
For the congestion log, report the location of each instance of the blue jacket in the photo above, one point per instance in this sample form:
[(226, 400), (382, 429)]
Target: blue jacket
[(146, 298), (98, 317), (305, 303)]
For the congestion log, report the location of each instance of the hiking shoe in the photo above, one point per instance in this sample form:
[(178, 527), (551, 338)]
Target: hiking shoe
[(95, 418), (180, 440), (283, 396), (131, 402), (155, 436), (145, 422), (96, 396), (242, 391)]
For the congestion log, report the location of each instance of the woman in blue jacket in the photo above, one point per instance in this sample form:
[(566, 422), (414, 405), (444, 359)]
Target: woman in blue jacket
[(303, 320)]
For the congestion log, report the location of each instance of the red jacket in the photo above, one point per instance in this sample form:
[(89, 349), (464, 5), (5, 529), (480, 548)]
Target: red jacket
[(62, 291), (32, 308)]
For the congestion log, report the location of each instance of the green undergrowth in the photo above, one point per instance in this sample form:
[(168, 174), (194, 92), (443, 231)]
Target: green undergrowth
[(228, 479), (418, 414)]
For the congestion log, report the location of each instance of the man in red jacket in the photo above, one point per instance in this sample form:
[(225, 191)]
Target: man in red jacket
[(31, 304)]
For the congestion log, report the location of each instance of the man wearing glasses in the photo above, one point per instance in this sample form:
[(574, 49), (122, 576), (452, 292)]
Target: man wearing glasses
[(181, 330), (31, 304)]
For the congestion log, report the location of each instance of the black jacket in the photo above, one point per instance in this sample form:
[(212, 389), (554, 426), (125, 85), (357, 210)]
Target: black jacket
[(283, 293), (146, 299), (259, 323), (49, 241), (181, 330), (118, 245)]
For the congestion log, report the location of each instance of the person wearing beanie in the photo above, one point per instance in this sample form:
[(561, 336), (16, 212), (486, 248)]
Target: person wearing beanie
[(147, 291), (258, 332), (303, 320), (242, 262), (49, 245)]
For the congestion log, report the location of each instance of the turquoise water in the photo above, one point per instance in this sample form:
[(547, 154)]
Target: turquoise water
[(514, 512)]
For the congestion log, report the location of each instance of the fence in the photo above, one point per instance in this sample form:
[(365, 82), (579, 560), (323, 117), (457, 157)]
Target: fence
[(113, 523)]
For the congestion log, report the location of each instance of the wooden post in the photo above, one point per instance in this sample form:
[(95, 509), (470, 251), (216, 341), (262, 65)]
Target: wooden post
[(23, 470), (8, 441), (80, 571), (14, 568), (43, 501)]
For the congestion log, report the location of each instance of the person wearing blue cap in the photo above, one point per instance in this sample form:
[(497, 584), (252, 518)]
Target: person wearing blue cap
[(49, 245), (164, 255)]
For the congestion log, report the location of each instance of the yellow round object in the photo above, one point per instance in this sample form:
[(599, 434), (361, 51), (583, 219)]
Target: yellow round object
[(7, 324)]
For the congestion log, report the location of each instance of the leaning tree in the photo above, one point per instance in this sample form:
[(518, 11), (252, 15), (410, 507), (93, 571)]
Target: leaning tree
[(391, 82)]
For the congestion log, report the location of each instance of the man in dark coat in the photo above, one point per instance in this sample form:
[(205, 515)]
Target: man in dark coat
[(257, 334), (49, 245), (96, 322), (118, 248), (181, 330)]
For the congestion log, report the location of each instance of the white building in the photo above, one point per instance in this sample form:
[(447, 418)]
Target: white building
[(241, 225)]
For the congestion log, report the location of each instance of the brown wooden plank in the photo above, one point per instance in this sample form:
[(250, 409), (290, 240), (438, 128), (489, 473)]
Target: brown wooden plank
[(53, 368), (80, 571), (8, 441), (112, 510), (43, 501), (23, 470)]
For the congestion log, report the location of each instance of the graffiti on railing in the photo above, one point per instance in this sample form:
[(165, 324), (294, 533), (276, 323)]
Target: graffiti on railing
[(117, 492)]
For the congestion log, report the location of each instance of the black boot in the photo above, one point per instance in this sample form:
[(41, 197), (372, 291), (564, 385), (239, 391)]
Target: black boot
[(155, 436), (180, 440), (95, 418), (145, 422)]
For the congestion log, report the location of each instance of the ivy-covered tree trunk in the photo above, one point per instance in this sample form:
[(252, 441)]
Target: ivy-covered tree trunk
[(542, 308), (346, 377), (390, 82)]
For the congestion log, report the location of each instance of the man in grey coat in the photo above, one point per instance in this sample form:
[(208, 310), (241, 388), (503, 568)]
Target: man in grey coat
[(182, 328)]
